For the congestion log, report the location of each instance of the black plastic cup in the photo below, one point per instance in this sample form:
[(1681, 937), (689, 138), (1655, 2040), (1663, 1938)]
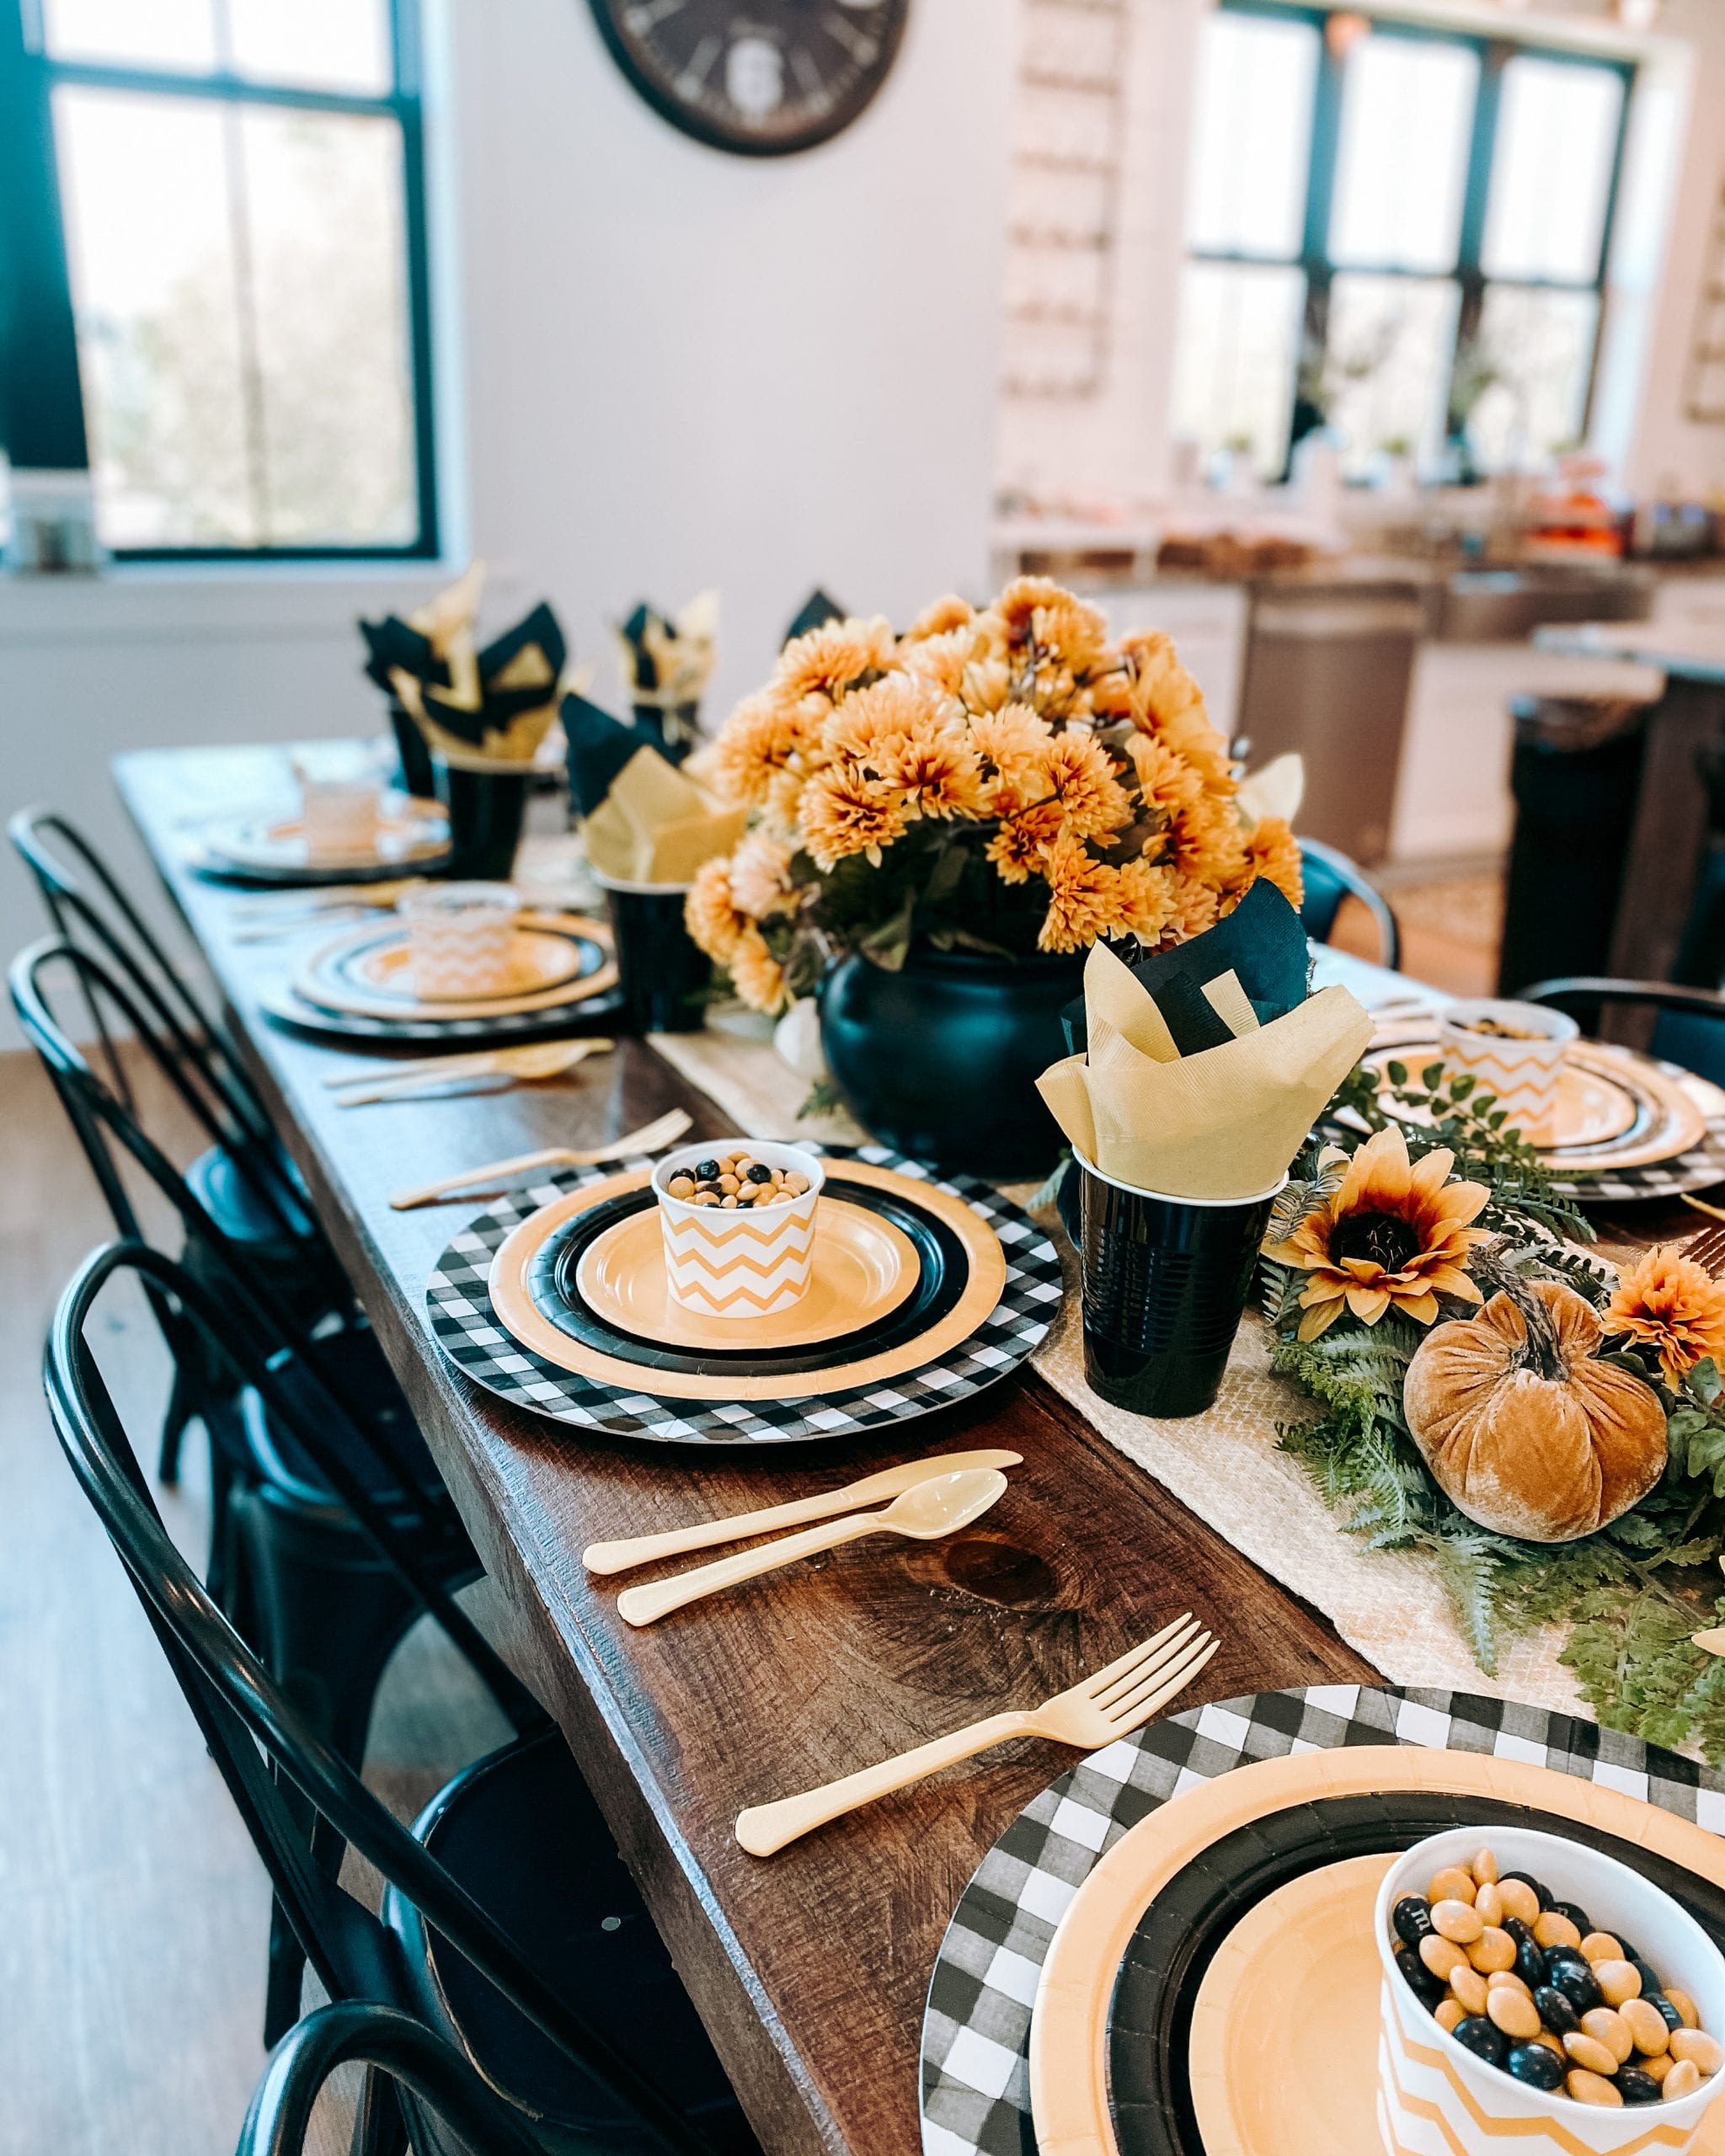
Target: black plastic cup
[(414, 775), (664, 972), (487, 806), (1166, 1281)]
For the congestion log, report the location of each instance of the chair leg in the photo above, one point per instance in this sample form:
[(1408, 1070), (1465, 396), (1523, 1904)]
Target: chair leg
[(378, 2126), (182, 1408), (284, 1983)]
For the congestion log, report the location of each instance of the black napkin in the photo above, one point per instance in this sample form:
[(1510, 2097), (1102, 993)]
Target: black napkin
[(816, 611), (599, 747), (1261, 943)]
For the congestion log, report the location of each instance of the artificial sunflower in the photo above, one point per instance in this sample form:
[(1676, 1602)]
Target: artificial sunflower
[(1667, 1302), (1396, 1236)]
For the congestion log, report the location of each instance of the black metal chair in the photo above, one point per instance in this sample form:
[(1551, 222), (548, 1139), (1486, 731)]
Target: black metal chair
[(1329, 876), (1688, 1026), (244, 1179), (295, 1553), (509, 1926), (227, 1220), (436, 2077)]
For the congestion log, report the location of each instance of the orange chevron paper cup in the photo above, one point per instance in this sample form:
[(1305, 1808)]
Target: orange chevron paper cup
[(740, 1263), (1437, 2098), (1514, 1051)]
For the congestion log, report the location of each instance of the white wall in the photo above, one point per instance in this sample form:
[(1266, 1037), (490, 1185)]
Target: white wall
[(669, 369)]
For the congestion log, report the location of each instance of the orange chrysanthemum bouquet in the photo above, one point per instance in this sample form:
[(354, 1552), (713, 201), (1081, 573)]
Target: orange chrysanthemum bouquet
[(1003, 782)]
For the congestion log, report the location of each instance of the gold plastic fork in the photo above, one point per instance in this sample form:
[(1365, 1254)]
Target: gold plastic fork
[(649, 1139), (1112, 1703)]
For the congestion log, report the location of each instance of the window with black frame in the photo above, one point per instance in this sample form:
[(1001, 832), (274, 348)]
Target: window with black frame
[(217, 211), (1396, 232)]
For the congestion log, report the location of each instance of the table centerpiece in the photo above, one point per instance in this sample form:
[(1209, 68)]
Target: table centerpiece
[(942, 823)]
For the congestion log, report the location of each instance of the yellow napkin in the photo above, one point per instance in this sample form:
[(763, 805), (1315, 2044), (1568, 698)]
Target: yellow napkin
[(656, 826), (1221, 1124)]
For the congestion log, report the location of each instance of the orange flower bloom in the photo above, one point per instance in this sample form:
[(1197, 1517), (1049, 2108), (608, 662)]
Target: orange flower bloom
[(711, 913), (1168, 783), (951, 612), (1273, 852), (830, 659), (759, 877), (1194, 907), (1395, 1236), (761, 741), (756, 973), (1667, 1302), (1029, 828), (1209, 844), (1083, 896), (1013, 739), (842, 813), (1145, 899), (1077, 771)]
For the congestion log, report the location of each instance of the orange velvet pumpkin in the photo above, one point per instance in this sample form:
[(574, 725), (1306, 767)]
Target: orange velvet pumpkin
[(1523, 1427)]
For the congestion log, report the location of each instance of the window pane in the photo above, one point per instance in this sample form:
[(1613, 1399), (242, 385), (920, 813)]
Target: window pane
[(339, 45), (149, 33), (1246, 187), (1401, 169), (237, 276), (1552, 171), (1387, 370), (336, 384), (1536, 350), (145, 188), (1234, 373)]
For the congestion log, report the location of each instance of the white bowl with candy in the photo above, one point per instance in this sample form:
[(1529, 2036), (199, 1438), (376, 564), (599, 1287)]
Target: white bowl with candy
[(1539, 1997), (739, 1225)]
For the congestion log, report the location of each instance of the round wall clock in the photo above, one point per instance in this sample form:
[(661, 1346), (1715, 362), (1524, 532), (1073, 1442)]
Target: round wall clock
[(761, 78)]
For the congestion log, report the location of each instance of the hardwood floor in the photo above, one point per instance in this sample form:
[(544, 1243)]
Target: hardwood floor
[(133, 1913)]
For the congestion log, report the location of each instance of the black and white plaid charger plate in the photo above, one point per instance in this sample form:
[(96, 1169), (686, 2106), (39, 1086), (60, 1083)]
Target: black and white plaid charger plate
[(514, 1030), (975, 2074), (458, 1305), (1698, 1169)]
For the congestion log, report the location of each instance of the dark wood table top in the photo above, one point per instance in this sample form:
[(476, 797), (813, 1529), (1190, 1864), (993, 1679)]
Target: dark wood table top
[(808, 1968)]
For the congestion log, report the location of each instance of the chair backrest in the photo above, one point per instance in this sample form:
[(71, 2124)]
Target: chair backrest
[(90, 909), (1688, 1024), (263, 1745), (1329, 876), (280, 2118), (104, 1115)]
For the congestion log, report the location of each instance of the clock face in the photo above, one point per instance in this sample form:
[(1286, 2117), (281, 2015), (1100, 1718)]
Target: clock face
[(761, 76)]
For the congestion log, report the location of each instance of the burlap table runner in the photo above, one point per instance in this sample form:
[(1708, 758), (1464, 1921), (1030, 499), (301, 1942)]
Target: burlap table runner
[(1389, 1605)]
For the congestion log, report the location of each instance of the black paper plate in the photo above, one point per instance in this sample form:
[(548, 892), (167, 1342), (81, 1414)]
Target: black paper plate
[(1150, 2014), (945, 1270)]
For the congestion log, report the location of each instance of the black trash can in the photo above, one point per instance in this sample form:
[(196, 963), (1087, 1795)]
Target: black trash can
[(1575, 775)]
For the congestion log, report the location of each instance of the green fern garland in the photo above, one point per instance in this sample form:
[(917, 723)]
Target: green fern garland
[(1631, 1595)]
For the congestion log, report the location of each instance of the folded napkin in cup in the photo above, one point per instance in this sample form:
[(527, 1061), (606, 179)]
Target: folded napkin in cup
[(476, 706), (420, 645), (667, 664), (1198, 1079), (655, 825)]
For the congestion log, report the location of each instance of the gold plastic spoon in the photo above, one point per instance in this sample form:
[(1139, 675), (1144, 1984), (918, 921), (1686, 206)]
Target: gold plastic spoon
[(925, 1512)]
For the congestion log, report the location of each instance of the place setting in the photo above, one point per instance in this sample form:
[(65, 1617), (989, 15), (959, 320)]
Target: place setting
[(349, 828), (1341, 1920), (753, 1293), (1610, 1125), (455, 963)]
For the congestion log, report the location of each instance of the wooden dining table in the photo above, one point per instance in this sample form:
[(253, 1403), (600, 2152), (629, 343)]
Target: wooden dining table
[(808, 1968)]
